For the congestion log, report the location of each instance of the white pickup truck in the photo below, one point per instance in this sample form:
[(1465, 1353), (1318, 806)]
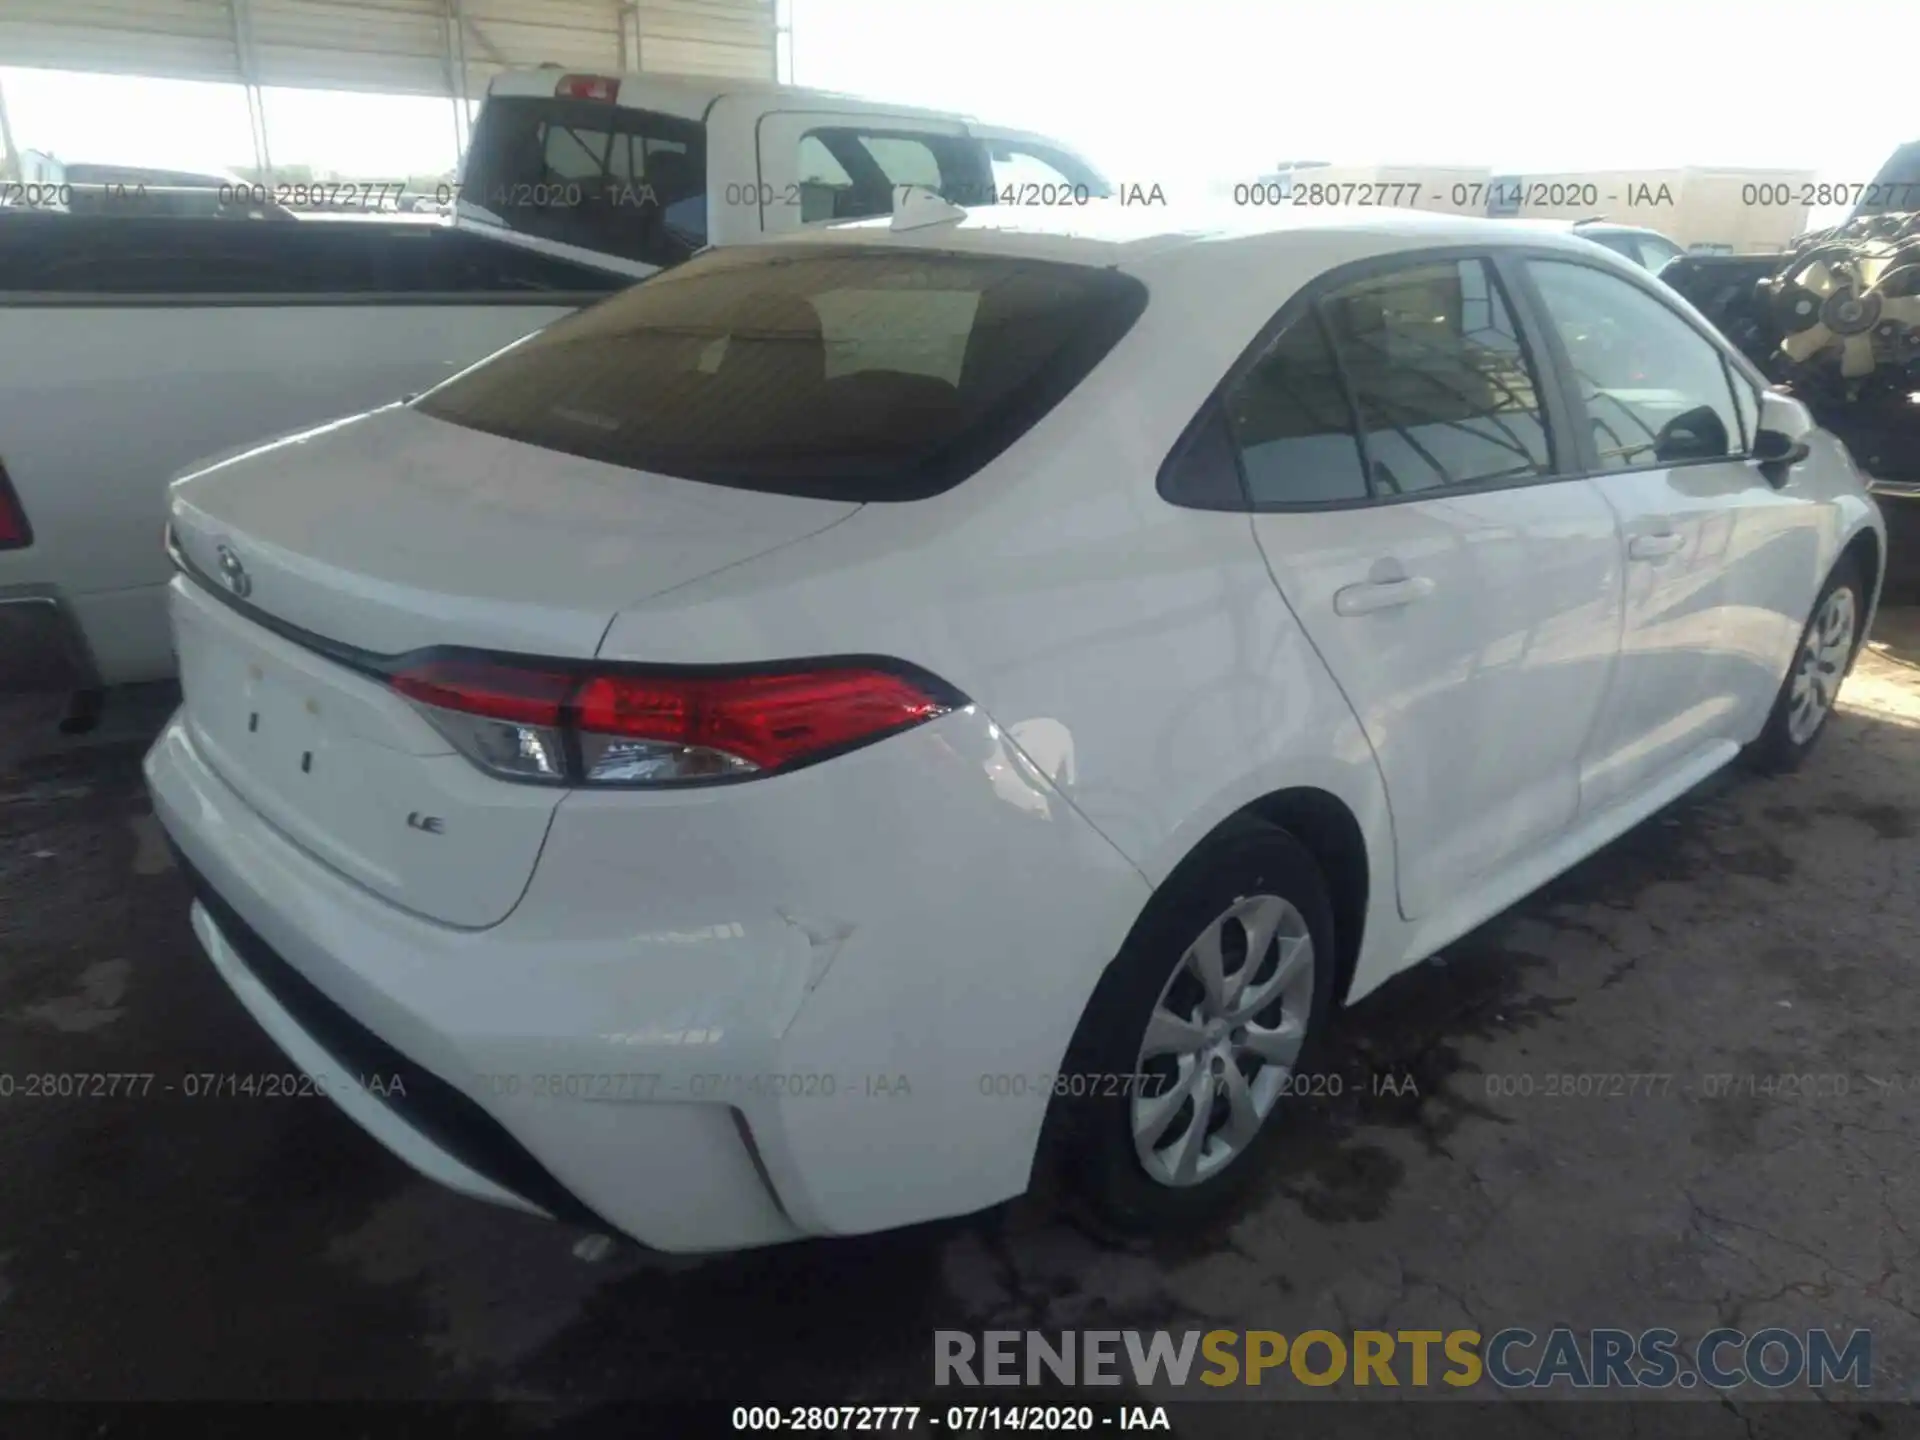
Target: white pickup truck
[(133, 347)]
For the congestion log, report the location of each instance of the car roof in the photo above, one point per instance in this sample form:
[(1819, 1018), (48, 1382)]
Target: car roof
[(1133, 236)]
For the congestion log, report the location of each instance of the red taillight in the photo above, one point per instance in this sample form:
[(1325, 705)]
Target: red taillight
[(766, 720), (497, 692), (588, 87), (14, 533), (625, 727)]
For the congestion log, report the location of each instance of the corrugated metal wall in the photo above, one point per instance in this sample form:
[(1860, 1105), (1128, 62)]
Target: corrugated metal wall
[(396, 46), (183, 39), (706, 37)]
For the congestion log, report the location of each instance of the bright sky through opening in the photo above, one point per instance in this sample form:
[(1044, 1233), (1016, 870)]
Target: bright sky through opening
[(1192, 91)]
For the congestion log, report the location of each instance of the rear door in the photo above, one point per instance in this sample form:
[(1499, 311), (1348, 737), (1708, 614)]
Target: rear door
[(1403, 461), (1719, 564), (819, 166)]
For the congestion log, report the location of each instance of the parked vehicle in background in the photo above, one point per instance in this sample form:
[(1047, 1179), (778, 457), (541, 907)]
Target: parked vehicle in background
[(133, 346), (133, 190), (195, 341), (414, 202), (1648, 249), (1837, 320), (649, 169), (788, 749)]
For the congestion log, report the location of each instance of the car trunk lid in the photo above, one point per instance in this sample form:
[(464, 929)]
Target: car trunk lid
[(313, 562)]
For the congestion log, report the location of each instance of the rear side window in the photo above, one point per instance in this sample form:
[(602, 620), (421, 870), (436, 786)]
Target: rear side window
[(846, 173), (1444, 388), (844, 373), (593, 173), (1293, 424)]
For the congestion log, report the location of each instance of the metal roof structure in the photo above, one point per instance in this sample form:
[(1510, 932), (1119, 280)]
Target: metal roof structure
[(393, 46), (448, 48)]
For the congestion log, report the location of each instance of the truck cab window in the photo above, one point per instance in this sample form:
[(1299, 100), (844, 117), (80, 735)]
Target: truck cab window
[(605, 176), (850, 174)]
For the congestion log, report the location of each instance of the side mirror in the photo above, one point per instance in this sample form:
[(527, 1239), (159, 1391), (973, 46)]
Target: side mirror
[(1781, 440), (1697, 434)]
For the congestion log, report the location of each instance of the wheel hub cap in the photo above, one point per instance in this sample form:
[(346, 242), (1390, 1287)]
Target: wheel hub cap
[(1822, 664), (1222, 1040)]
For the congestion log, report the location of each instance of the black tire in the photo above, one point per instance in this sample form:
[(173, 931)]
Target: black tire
[(1776, 751), (1090, 1132)]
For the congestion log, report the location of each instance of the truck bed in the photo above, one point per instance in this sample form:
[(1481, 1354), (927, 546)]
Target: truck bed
[(132, 348)]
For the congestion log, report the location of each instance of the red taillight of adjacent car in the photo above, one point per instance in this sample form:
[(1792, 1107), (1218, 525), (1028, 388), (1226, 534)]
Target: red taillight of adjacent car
[(629, 727), (14, 534)]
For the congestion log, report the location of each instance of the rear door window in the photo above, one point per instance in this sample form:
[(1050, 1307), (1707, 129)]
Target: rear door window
[(591, 173), (1444, 388), (847, 373)]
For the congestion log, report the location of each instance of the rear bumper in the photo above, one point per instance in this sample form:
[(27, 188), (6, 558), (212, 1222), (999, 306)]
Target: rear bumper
[(414, 1113), (41, 647), (718, 1020)]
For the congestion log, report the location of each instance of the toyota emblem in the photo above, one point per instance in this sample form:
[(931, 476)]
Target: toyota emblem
[(233, 572)]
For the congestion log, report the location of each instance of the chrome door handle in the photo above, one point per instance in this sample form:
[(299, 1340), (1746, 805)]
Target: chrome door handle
[(1653, 547), (1374, 595)]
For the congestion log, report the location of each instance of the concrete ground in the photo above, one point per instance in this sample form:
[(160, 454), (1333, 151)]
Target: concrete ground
[(247, 1248)]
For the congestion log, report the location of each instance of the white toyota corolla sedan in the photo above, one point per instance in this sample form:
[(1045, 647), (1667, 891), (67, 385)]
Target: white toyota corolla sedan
[(787, 749)]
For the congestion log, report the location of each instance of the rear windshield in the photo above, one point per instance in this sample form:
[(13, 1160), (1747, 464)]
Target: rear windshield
[(608, 177), (846, 373)]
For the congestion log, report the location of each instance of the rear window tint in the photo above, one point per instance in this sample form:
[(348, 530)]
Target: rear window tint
[(848, 373), (583, 172)]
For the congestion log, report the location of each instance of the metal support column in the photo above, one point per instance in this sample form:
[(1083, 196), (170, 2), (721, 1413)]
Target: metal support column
[(10, 167), (456, 56), (256, 103), (631, 60)]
